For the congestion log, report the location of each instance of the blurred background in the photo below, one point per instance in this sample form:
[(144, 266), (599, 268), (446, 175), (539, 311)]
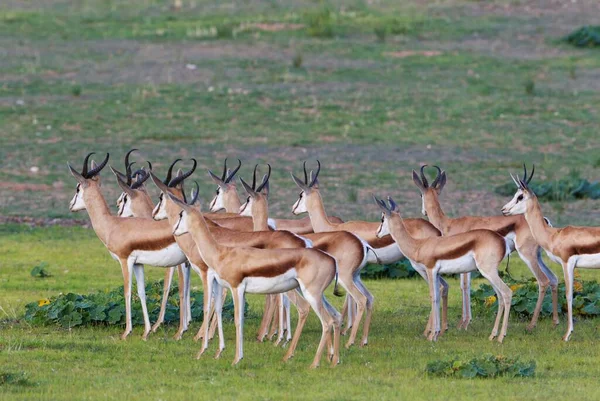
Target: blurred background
[(372, 89)]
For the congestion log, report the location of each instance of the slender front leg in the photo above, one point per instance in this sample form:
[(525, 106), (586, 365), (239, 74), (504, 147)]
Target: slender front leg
[(182, 304), (266, 319), (127, 275), (187, 272), (303, 308), (569, 270), (219, 316), (465, 287), (141, 290), (444, 291), (205, 296), (369, 313), (165, 298), (434, 292), (208, 297), (238, 306)]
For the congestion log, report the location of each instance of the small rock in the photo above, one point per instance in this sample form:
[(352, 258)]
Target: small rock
[(191, 67), (20, 102), (34, 169)]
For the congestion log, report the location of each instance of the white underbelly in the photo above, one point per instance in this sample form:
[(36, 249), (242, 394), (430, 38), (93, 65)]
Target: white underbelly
[(271, 285), (463, 264), (511, 240), (387, 254), (589, 261), (166, 257)]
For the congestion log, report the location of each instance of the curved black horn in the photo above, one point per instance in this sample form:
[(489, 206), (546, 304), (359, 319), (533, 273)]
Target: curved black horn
[(170, 172), (224, 170), (144, 176), (234, 172), (98, 168), (393, 205), (305, 173), (177, 180), (84, 171), (265, 180), (195, 193), (254, 177), (526, 179), (437, 178), (423, 178), (314, 180), (128, 170), (128, 165)]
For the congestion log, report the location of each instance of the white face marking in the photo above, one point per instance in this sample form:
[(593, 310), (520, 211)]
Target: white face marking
[(300, 205), (181, 226), (517, 205), (160, 210), (246, 208), (383, 227), (124, 206), (77, 203), (218, 202)]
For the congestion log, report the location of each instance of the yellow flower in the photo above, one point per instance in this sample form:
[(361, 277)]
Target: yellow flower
[(577, 275), (43, 302), (515, 287), (577, 286), (489, 301)]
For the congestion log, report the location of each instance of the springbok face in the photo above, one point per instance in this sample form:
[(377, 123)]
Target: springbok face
[(386, 212), (86, 179), (255, 195), (307, 186), (186, 214), (125, 206), (518, 204), (225, 187), (160, 210), (181, 227), (429, 193)]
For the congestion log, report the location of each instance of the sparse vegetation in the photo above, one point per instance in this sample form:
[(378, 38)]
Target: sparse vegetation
[(586, 36), (489, 366)]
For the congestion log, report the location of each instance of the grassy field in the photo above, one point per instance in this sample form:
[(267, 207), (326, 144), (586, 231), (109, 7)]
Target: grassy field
[(92, 363), (371, 88)]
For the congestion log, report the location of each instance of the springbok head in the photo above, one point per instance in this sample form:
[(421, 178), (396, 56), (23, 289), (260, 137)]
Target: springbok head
[(518, 204), (386, 213), (134, 197), (255, 195), (187, 214), (429, 193), (309, 186), (226, 189), (86, 180), (170, 185)]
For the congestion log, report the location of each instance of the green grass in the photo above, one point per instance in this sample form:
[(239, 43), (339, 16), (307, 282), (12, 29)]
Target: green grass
[(91, 363)]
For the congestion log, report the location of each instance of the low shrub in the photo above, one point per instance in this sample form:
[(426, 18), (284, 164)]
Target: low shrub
[(40, 271), (586, 36), (487, 366), (108, 308), (586, 298), (401, 269)]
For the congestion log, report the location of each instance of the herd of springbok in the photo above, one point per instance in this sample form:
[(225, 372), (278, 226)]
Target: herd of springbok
[(295, 260)]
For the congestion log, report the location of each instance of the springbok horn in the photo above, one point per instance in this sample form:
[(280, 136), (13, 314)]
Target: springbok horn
[(393, 205), (437, 178), (170, 172), (177, 180), (195, 193), (84, 171), (233, 173), (305, 173), (98, 168), (423, 178), (254, 177), (265, 180), (314, 178)]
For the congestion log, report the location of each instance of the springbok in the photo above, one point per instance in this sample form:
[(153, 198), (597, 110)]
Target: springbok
[(514, 229), (570, 246), (481, 250), (349, 251), (166, 209), (132, 241), (386, 250), (263, 271)]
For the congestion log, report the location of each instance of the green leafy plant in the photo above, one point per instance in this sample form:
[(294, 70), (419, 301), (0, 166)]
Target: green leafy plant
[(586, 36), (381, 33), (17, 379), (569, 188), (297, 60), (40, 271), (586, 298), (108, 308), (76, 90), (529, 86), (401, 269), (487, 366)]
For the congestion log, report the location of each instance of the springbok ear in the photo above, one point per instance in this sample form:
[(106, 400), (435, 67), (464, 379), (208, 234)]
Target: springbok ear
[(216, 179), (381, 205), (264, 188), (163, 188), (393, 205), (124, 187), (80, 179), (118, 173), (314, 182), (417, 181), (180, 203), (248, 188), (300, 183)]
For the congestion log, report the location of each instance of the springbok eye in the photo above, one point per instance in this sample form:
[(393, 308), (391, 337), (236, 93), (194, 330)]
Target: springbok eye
[(520, 198), (382, 219), (181, 214), (217, 191), (300, 196), (248, 200)]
